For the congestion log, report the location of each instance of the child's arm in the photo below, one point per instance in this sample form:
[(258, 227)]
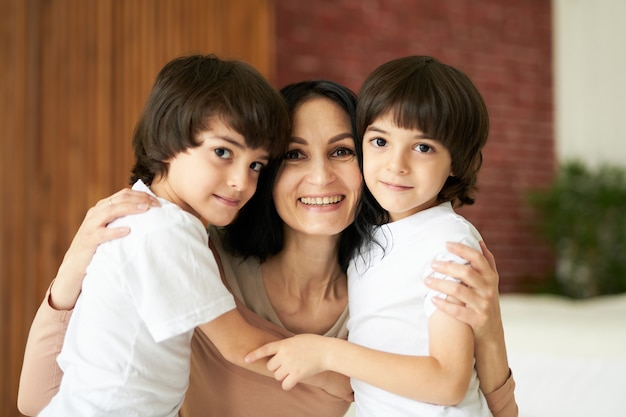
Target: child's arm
[(441, 378), (234, 337)]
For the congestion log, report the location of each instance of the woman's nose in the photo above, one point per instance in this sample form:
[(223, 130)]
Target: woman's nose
[(321, 172)]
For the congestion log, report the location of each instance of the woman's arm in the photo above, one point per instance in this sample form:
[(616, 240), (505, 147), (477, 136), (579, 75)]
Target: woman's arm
[(41, 376), (93, 232), (480, 309)]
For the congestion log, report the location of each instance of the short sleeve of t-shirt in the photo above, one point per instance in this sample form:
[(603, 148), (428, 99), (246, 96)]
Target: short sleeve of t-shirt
[(461, 232), (173, 276)]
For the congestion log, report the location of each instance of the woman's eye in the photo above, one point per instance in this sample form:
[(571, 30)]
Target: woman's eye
[(256, 166), (293, 154), (343, 152), (223, 153), (422, 147)]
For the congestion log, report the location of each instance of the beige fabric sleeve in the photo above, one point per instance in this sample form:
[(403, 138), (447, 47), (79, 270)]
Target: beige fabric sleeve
[(501, 402), (41, 376)]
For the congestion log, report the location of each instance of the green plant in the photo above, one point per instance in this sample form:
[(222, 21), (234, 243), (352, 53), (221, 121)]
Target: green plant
[(583, 217)]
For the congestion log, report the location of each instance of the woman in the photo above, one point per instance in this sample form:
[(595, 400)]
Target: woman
[(292, 244)]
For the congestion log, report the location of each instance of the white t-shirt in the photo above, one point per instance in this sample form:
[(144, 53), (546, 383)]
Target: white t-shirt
[(390, 305), (127, 348)]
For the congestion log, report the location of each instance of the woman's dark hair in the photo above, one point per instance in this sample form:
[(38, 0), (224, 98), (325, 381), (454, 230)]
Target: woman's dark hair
[(441, 101), (258, 230), (188, 92)]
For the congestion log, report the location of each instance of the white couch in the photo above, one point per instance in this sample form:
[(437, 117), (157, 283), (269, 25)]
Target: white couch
[(568, 356)]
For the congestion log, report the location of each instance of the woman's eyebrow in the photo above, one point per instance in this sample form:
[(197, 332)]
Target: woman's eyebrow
[(341, 136), (333, 139)]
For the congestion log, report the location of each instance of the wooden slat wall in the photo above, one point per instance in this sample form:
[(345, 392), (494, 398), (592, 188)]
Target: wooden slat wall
[(74, 76)]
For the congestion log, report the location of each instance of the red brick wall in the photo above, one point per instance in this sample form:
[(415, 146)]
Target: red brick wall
[(505, 47)]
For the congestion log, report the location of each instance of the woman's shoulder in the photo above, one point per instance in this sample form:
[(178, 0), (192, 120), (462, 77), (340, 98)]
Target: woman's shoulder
[(243, 275)]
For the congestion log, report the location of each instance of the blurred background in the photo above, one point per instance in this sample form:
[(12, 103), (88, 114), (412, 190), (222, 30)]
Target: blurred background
[(74, 75)]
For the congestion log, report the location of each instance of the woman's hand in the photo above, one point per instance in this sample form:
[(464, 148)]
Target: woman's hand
[(92, 232), (478, 291), (480, 308)]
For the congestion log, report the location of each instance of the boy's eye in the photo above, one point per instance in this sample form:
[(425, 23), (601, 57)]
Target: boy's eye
[(378, 142), (256, 166), (422, 147), (223, 153)]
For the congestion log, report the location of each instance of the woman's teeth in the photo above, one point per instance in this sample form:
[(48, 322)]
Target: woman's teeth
[(320, 201)]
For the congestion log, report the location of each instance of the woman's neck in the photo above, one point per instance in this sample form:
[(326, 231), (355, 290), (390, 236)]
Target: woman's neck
[(306, 284), (307, 261)]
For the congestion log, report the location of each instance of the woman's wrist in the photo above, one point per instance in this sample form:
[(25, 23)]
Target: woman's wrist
[(62, 298), (492, 363)]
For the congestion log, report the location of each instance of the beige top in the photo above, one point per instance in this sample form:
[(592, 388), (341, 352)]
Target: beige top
[(216, 387)]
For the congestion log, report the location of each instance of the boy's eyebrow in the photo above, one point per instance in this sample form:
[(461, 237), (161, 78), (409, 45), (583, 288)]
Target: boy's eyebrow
[(372, 128), (230, 140)]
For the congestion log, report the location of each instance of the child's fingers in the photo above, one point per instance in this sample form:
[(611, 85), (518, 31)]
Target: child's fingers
[(269, 349), (289, 382)]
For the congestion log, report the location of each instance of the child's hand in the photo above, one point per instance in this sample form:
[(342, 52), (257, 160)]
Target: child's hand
[(294, 359)]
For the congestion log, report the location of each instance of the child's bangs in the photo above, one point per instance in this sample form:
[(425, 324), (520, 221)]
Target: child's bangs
[(415, 110), (260, 128)]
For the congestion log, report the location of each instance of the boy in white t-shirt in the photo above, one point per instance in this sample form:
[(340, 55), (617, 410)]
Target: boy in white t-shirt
[(208, 128), (423, 125)]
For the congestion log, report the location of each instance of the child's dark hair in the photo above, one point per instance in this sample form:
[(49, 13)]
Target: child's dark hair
[(258, 230), (441, 101), (188, 92)]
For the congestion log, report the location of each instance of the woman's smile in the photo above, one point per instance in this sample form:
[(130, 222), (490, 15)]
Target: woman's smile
[(321, 201)]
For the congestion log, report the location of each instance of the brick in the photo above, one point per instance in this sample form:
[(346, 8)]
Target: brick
[(506, 48)]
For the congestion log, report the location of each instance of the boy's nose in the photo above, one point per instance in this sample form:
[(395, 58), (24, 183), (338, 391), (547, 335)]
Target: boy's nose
[(238, 179), (398, 163)]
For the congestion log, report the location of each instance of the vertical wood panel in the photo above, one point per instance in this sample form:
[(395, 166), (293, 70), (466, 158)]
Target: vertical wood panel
[(17, 112), (73, 78)]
